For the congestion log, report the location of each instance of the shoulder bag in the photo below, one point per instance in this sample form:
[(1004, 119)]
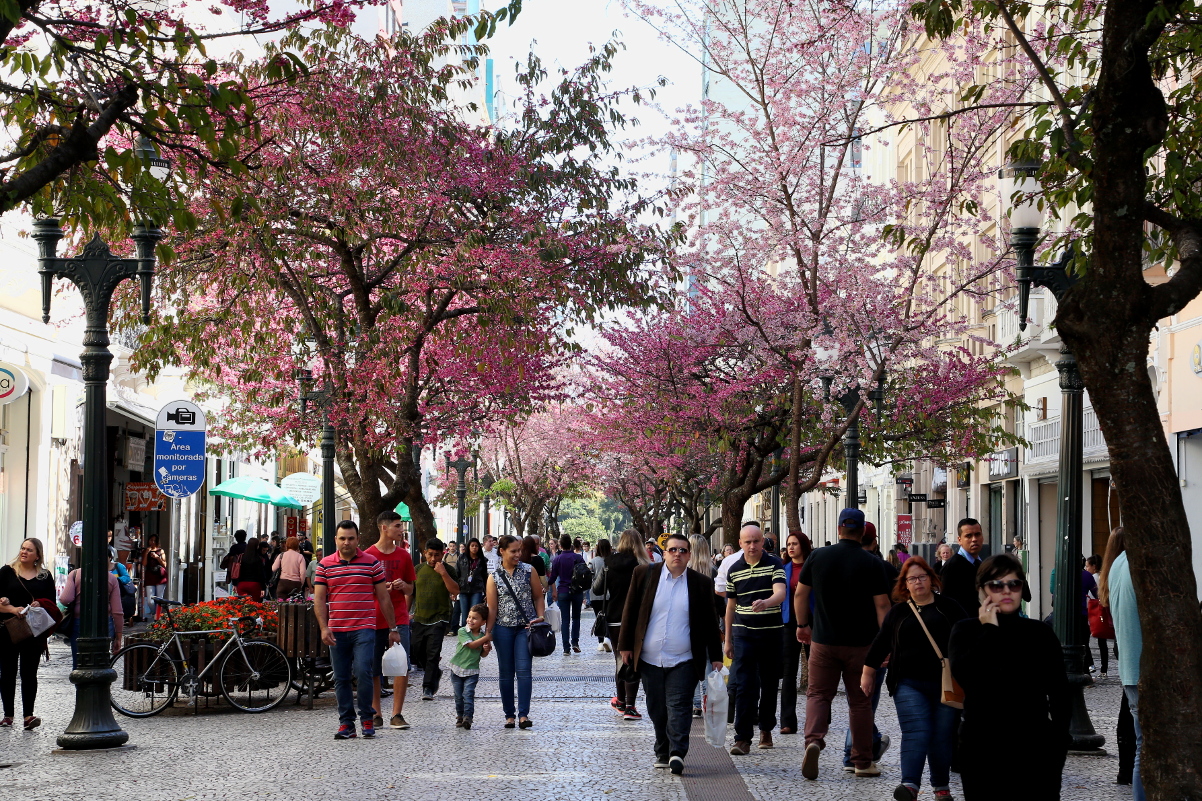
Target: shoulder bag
[(17, 626), (540, 638), (953, 694)]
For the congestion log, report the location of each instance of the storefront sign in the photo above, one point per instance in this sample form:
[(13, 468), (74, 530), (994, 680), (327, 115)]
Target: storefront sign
[(304, 488), (135, 453), (303, 525), (289, 527), (1195, 360), (964, 476), (917, 497), (1003, 464), (76, 533), (905, 529), (936, 503), (179, 449), (13, 382), (144, 496)]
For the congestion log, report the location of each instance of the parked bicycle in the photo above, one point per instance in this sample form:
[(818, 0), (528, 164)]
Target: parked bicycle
[(254, 676)]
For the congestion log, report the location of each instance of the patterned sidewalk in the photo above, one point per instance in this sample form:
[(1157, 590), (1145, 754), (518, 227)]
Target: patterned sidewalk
[(577, 751)]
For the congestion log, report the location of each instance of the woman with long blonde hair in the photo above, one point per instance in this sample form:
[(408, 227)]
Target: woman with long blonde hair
[(24, 582), (619, 568)]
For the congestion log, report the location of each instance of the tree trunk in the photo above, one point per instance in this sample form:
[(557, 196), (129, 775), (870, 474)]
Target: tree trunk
[(1107, 319)]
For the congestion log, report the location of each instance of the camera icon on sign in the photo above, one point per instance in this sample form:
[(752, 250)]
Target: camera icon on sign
[(182, 417)]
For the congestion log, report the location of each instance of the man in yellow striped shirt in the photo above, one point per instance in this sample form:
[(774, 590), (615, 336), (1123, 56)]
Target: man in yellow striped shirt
[(755, 590)]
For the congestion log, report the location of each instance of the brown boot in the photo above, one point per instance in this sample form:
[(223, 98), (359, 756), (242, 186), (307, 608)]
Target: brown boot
[(740, 748), (765, 739)]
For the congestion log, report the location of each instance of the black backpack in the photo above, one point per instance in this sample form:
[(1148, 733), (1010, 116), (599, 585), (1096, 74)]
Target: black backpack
[(582, 577)]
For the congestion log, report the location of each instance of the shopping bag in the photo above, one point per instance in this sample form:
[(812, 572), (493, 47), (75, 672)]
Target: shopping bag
[(714, 707), (40, 621), (395, 661), (553, 617)]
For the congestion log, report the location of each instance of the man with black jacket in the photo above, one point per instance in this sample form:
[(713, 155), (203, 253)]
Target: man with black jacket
[(959, 574), (670, 632)]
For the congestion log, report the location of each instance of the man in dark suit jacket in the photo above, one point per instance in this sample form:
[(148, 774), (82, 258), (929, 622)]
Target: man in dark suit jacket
[(959, 575), (670, 632)]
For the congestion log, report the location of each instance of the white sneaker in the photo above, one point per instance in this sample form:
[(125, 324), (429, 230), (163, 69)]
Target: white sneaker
[(661, 762), (871, 770), (677, 765)]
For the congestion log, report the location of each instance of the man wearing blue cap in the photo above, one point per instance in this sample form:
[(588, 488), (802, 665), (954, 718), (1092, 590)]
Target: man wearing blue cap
[(851, 597)]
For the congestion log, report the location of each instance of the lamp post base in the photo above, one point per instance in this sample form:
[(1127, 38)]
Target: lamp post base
[(1085, 739), (93, 725)]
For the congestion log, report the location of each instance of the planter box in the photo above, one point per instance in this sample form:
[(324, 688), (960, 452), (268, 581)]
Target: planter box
[(198, 651), (299, 636)]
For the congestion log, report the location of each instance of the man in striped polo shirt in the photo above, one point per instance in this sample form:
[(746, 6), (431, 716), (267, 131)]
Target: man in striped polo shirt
[(347, 586), (755, 590)]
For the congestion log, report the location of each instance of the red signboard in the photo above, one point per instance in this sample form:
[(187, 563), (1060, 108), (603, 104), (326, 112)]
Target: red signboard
[(290, 526), (304, 524), (905, 529), (144, 496)]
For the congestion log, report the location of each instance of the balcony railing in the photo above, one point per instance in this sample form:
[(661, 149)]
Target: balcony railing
[(1044, 436)]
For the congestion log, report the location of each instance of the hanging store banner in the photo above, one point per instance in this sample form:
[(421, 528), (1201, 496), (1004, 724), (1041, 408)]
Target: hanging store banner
[(143, 496)]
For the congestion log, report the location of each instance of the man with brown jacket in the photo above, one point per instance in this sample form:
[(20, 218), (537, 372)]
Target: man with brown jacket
[(670, 634)]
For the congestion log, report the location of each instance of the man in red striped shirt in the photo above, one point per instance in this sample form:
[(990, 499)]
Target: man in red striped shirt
[(347, 585)]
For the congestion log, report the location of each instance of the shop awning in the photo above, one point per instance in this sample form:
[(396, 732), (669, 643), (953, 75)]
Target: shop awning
[(249, 488)]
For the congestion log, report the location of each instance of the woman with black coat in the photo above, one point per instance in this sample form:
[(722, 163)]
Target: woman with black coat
[(1012, 672), (915, 678), (253, 573), (615, 580), (473, 577)]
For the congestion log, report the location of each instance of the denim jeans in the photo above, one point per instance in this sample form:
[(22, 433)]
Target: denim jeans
[(354, 653), (466, 601), (669, 705), (513, 659), (876, 733), (570, 602), (465, 694), (1137, 785), (756, 669), (928, 729)]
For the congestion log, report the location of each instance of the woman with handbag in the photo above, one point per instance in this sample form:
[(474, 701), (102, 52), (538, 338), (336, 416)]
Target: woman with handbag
[(515, 602), (615, 580), (1015, 688), (70, 595), (154, 574), (290, 564), (914, 637), (25, 582), (253, 574), (599, 590)]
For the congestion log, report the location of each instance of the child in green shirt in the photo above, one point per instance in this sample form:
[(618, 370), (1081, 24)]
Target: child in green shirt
[(465, 664)]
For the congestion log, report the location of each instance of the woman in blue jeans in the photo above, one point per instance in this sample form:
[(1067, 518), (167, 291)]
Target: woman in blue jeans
[(473, 577), (560, 579), (515, 600), (915, 678)]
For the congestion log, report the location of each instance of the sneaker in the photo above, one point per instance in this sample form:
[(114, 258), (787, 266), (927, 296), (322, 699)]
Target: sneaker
[(608, 648), (369, 729), (378, 721), (944, 795), (617, 705), (676, 764), (427, 695), (765, 739), (630, 713), (661, 762), (871, 770), (398, 722), (1103, 674), (849, 768), (467, 724), (809, 762), (696, 711), (459, 721), (576, 648), (881, 748), (345, 732), (740, 748), (602, 647), (905, 792)]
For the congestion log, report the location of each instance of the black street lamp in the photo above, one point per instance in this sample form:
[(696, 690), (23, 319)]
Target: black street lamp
[(460, 465), (486, 482), (322, 399), (97, 273), (1069, 624), (848, 400)]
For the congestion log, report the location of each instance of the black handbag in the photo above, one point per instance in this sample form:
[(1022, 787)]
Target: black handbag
[(540, 639), (601, 624)]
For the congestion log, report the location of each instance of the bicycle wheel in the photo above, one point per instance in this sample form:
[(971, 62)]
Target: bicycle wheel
[(147, 681), (256, 678)]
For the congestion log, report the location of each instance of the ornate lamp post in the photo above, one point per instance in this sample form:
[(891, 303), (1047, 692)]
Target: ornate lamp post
[(848, 400), (460, 466), (97, 273), (486, 481), (321, 398), (1025, 219)]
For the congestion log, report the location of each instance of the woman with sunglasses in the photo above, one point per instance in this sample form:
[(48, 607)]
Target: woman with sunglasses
[(915, 677), (1012, 671)]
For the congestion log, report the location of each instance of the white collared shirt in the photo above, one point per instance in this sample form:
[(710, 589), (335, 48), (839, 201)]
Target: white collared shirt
[(724, 570), (667, 642)]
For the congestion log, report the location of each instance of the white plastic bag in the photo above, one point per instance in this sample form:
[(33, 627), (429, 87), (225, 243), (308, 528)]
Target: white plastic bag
[(395, 661), (553, 617), (40, 621), (714, 707)]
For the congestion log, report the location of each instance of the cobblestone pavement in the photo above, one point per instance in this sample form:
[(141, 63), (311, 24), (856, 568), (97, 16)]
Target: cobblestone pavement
[(577, 751)]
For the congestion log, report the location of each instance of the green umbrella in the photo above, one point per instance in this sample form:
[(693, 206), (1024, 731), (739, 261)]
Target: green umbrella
[(403, 511), (249, 488)]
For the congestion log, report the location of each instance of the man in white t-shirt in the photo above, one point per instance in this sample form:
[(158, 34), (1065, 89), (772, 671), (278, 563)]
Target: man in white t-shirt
[(490, 552), (723, 570)]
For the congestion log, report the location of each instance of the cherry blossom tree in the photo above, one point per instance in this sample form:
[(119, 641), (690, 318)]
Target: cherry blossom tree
[(436, 266)]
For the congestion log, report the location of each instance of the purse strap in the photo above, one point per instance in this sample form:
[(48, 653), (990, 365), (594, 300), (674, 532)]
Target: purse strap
[(521, 609), (922, 623)]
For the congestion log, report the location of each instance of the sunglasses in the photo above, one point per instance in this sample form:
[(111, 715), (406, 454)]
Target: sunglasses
[(999, 585), (678, 550)]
